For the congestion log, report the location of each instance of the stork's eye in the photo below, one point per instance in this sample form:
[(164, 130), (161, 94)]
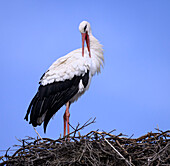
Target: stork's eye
[(85, 28)]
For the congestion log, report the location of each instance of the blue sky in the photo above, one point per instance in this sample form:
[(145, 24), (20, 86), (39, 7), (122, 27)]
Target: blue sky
[(131, 95)]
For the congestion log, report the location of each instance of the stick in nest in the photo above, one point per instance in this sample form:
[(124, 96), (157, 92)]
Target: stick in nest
[(118, 152), (38, 134)]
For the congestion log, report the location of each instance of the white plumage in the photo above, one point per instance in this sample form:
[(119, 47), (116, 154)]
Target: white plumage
[(79, 64)]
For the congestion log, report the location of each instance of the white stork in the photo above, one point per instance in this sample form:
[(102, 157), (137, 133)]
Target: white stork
[(66, 80)]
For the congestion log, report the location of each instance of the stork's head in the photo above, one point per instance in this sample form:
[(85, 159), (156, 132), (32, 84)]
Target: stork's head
[(85, 31)]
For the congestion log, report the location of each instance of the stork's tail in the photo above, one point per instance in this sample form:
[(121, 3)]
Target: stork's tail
[(37, 109)]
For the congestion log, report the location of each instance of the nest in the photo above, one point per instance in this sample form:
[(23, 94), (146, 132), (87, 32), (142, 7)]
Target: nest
[(95, 148)]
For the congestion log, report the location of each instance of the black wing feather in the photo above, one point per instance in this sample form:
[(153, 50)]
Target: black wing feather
[(51, 97), (30, 106), (68, 94)]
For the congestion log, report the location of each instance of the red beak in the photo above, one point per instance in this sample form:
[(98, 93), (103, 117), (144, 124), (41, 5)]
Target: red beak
[(85, 36)]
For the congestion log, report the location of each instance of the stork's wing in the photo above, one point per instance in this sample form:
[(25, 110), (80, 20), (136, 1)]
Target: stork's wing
[(51, 97), (66, 67)]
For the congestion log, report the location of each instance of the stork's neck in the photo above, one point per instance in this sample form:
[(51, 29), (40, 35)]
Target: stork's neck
[(96, 53), (94, 42), (95, 45)]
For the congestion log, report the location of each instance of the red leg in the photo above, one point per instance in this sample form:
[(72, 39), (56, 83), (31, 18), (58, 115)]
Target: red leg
[(66, 119)]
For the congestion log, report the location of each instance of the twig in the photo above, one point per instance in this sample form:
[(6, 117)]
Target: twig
[(38, 134), (156, 155), (117, 152), (121, 147), (85, 125)]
